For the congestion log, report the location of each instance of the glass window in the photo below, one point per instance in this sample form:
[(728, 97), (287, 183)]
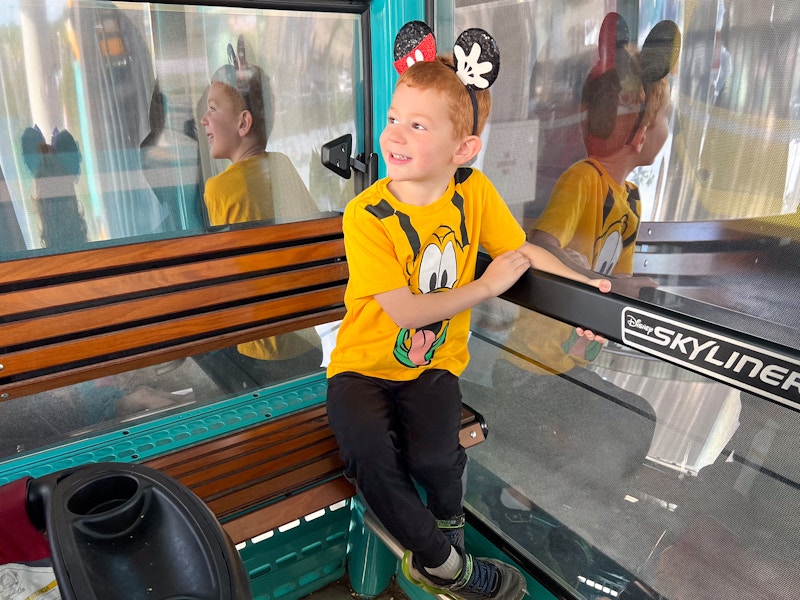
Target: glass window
[(90, 407), (627, 473), (722, 189), (105, 135), (610, 469)]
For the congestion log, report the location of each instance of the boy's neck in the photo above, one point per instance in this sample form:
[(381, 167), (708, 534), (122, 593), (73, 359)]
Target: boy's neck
[(420, 192), (247, 151), (617, 165)]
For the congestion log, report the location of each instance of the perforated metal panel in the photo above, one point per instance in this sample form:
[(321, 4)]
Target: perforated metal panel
[(147, 440)]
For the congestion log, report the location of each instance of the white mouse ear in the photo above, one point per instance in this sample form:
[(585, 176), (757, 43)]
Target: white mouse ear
[(477, 58), (413, 43)]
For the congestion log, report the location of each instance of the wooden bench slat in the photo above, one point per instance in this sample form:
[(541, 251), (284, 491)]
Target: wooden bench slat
[(71, 374), (194, 457), (113, 287), (98, 259), (298, 504), (255, 493), (164, 332), (116, 314), (249, 465)]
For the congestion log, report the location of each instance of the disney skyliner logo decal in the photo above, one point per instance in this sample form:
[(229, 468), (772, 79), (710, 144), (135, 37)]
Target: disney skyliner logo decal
[(760, 371)]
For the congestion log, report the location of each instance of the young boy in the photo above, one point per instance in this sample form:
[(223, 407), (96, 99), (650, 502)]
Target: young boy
[(393, 400)]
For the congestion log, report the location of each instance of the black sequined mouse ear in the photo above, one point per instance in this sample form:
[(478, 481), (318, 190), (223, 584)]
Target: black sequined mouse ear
[(660, 52), (477, 59), (412, 44)]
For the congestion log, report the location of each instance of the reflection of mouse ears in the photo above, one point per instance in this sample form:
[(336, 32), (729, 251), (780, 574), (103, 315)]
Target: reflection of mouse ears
[(32, 141), (62, 144), (242, 75), (659, 53), (618, 80), (67, 150), (475, 53)]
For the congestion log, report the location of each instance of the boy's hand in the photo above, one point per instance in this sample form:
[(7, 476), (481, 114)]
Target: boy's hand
[(604, 285), (504, 270)]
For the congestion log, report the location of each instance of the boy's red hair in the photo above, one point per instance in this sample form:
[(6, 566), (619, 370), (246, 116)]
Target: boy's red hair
[(440, 76)]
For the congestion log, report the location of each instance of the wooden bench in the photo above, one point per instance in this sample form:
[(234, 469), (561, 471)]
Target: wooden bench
[(269, 475), (90, 314), (83, 315)]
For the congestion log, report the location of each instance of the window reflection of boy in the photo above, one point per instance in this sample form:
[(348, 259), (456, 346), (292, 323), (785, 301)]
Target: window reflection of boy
[(257, 186), (626, 105), (591, 223)]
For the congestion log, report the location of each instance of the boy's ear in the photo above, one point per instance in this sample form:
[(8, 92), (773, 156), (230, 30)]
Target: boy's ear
[(245, 122), (467, 150), (637, 143)]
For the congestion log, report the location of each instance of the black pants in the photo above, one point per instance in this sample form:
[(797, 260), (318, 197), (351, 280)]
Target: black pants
[(393, 433)]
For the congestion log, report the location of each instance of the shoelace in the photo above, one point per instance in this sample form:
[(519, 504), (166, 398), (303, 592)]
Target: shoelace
[(480, 577)]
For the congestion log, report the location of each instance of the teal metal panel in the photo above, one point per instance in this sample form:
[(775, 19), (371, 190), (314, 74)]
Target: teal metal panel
[(370, 564), (478, 545), (292, 561), (160, 436)]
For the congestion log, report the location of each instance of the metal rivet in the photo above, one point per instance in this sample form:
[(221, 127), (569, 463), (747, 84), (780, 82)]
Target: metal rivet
[(3, 395), (473, 434), (1, 367)]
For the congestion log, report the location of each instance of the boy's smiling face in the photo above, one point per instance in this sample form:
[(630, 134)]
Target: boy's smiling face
[(418, 142), (222, 123)]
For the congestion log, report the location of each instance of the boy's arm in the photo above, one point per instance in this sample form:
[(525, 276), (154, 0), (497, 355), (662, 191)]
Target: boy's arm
[(411, 311), (543, 260)]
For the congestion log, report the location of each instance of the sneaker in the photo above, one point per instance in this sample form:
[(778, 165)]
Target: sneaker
[(453, 530), (480, 579)]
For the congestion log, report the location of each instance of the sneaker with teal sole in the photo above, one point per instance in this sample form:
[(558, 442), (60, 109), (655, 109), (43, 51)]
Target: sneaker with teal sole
[(480, 579)]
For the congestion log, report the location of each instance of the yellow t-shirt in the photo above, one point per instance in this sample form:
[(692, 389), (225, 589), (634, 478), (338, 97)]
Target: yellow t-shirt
[(590, 213), (428, 249), (265, 186)]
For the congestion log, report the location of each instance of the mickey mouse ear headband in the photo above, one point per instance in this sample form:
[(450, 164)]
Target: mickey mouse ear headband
[(476, 56), (657, 59)]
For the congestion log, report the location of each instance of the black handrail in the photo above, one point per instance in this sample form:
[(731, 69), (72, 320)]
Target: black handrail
[(715, 342)]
